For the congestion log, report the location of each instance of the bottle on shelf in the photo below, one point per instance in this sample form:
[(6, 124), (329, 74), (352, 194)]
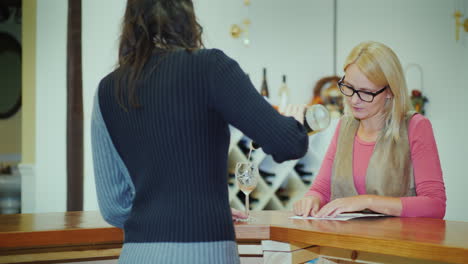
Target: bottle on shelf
[(231, 179), (283, 195), (268, 177), (283, 95), (264, 88), (306, 176), (252, 200)]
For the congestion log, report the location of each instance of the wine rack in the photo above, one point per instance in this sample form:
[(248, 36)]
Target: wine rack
[(290, 180)]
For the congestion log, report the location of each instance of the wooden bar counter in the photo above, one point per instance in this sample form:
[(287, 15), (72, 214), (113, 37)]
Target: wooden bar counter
[(271, 238)]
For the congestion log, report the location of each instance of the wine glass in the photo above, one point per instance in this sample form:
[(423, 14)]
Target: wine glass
[(247, 179)]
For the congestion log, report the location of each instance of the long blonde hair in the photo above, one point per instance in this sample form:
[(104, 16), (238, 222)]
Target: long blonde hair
[(382, 67)]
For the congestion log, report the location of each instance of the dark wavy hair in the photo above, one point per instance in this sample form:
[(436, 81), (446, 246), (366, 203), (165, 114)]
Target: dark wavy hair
[(148, 27)]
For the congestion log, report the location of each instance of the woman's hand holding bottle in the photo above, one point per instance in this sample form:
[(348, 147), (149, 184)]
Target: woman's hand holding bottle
[(295, 110)]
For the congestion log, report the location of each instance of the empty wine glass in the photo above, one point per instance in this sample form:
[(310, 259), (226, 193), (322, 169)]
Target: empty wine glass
[(247, 179)]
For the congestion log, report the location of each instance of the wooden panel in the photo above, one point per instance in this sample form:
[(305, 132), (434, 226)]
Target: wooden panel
[(271, 245), (281, 252), (250, 253), (252, 233), (424, 238), (425, 230), (60, 238), (26, 251), (55, 229), (402, 248), (350, 256), (51, 221), (258, 229), (50, 257), (74, 109)]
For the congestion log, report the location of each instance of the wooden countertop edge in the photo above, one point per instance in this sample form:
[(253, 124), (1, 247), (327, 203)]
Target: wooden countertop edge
[(95, 237), (408, 249), (68, 237), (252, 233)]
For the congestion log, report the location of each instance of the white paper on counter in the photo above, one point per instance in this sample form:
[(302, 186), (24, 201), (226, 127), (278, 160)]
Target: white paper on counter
[(340, 217)]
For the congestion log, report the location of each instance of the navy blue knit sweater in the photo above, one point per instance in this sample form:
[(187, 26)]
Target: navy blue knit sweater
[(175, 146)]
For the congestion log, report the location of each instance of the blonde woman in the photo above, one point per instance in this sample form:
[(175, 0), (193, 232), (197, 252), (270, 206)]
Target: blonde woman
[(383, 156)]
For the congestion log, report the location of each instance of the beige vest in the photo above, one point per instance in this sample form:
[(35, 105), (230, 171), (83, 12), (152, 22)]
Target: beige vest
[(390, 171)]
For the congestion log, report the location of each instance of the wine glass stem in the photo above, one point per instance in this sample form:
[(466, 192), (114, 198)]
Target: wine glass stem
[(247, 207)]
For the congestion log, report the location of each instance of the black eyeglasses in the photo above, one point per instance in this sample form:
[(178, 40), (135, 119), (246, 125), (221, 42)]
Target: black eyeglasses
[(363, 95)]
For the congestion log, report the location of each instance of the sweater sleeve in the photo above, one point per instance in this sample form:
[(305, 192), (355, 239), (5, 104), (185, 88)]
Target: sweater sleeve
[(321, 187), (115, 190), (430, 189), (240, 104)]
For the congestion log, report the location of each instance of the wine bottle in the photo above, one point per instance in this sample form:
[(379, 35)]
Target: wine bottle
[(283, 95), (269, 177), (231, 179), (282, 194), (306, 176), (264, 90), (316, 119)]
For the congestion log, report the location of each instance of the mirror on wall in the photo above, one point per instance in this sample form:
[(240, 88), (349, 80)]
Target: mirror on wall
[(10, 75)]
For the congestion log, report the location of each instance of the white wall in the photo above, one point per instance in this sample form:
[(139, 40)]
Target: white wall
[(51, 106), (292, 39), (101, 25), (295, 39), (423, 32)]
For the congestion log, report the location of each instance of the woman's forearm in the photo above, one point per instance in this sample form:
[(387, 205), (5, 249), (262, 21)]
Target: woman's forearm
[(385, 205)]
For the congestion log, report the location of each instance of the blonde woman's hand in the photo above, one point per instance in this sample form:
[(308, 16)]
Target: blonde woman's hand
[(307, 206), (345, 205), (296, 111)]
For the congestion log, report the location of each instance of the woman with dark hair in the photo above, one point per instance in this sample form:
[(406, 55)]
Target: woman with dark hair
[(160, 137)]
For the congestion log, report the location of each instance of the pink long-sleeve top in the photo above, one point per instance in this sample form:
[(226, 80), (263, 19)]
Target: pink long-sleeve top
[(430, 189)]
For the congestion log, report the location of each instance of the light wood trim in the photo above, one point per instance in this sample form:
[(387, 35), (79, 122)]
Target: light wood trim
[(271, 245), (60, 238), (26, 251), (401, 248), (351, 256), (87, 255), (297, 256), (28, 107), (246, 233)]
